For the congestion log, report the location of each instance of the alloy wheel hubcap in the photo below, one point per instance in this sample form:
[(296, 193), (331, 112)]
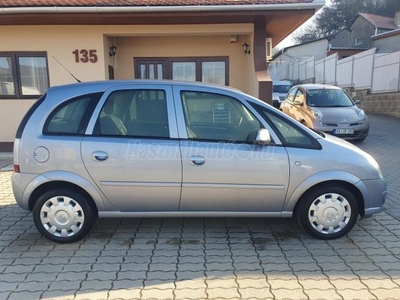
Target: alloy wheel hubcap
[(329, 213), (62, 216)]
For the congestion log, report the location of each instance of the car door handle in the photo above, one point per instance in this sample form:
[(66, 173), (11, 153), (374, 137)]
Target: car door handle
[(197, 160), (99, 156)]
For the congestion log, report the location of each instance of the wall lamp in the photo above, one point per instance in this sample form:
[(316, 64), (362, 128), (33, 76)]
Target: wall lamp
[(246, 48), (113, 51)]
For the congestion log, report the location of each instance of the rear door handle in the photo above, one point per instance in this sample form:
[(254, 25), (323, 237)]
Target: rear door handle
[(99, 156), (197, 160)]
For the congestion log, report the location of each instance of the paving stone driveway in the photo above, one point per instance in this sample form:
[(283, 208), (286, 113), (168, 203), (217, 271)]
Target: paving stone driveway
[(209, 258)]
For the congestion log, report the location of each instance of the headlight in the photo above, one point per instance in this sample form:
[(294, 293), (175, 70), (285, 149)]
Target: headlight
[(361, 114), (317, 114)]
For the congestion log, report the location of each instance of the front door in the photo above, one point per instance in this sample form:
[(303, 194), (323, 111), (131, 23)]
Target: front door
[(223, 170), (150, 69), (133, 152)]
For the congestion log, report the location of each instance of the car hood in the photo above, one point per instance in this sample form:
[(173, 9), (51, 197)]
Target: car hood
[(340, 114)]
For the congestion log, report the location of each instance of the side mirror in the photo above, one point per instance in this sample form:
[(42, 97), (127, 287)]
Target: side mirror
[(357, 102), (263, 137)]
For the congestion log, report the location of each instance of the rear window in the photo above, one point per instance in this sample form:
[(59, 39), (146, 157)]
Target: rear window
[(72, 116)]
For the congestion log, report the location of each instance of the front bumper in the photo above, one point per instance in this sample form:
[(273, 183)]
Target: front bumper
[(360, 131), (374, 193)]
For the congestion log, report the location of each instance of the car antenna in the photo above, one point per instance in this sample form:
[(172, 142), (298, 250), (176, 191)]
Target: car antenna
[(67, 70)]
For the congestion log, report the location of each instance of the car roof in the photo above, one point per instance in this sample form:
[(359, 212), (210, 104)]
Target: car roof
[(313, 86), (103, 85)]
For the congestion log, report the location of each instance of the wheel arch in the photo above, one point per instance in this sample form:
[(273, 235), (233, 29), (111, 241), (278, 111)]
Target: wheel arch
[(57, 180), (58, 184), (350, 187), (346, 180)]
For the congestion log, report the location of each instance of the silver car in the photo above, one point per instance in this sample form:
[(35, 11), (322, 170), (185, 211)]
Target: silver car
[(328, 109), (175, 149)]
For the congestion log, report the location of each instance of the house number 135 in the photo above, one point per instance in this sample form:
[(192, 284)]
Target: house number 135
[(85, 55)]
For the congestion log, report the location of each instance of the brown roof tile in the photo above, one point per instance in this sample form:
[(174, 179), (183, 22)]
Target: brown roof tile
[(380, 21), (72, 3)]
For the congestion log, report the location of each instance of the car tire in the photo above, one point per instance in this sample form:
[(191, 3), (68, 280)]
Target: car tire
[(327, 212), (63, 215)]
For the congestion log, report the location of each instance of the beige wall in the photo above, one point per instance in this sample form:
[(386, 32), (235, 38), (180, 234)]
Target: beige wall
[(132, 41), (184, 46)]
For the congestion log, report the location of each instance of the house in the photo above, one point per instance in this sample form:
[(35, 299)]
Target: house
[(363, 27), (218, 41), (387, 42), (365, 32)]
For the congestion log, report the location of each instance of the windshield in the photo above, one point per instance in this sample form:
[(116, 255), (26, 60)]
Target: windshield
[(281, 88), (328, 98)]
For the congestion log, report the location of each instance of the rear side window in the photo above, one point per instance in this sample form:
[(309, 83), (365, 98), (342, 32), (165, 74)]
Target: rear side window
[(72, 116), (25, 119), (135, 113)]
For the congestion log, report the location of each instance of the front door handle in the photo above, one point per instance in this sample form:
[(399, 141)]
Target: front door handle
[(197, 160), (99, 156)]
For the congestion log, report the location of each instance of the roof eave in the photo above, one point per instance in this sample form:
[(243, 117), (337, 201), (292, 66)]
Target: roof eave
[(316, 4)]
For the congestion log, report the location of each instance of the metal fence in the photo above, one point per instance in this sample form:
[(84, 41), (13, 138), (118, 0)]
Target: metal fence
[(366, 70)]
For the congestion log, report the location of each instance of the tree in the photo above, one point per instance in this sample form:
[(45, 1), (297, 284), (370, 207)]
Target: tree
[(340, 14)]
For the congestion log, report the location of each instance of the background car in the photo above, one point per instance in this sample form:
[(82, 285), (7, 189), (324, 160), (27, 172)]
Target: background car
[(328, 109), (280, 90), (175, 149)]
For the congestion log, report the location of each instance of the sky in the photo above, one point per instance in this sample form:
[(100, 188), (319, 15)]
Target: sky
[(288, 41)]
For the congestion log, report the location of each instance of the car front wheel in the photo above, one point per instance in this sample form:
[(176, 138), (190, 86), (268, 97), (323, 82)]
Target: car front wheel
[(63, 216), (328, 212)]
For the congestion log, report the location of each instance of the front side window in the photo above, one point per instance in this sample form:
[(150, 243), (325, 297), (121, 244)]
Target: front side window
[(291, 94), (290, 134), (72, 116), (216, 117), (299, 96), (138, 113), (23, 75)]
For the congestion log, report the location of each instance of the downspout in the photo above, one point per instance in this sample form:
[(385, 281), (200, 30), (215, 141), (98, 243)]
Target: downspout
[(317, 4)]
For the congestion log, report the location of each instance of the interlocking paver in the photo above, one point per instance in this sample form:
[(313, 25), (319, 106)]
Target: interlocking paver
[(289, 294), (328, 294), (223, 293), (24, 295), (125, 294), (190, 293), (363, 294)]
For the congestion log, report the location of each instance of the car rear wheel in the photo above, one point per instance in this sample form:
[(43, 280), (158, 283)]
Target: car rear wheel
[(328, 212), (63, 216)]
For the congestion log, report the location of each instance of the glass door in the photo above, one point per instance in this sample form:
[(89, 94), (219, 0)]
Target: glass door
[(150, 69)]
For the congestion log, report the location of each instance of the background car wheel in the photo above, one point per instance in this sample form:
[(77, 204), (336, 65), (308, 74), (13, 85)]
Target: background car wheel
[(327, 212), (63, 216)]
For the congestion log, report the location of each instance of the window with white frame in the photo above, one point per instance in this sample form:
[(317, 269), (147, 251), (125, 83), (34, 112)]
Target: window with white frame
[(358, 41), (23, 74)]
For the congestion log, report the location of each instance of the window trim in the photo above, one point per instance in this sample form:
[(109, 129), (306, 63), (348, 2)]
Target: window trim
[(16, 72)]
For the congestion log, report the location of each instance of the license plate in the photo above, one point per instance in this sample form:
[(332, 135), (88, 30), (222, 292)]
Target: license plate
[(343, 131)]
